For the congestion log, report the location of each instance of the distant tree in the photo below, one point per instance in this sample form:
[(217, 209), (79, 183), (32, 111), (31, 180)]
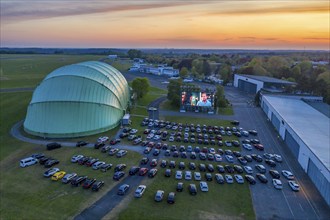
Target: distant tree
[(185, 63), (133, 53), (225, 73), (140, 86), (206, 68), (174, 92), (221, 100), (275, 64), (184, 72)]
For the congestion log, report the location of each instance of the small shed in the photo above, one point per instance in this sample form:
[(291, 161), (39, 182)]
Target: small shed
[(126, 119)]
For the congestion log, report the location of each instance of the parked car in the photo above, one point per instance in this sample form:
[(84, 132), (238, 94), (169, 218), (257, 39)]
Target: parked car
[(204, 187), (118, 175), (275, 174), (172, 164), (105, 148), (120, 167), (208, 176), (248, 169), (287, 174), (139, 191), (106, 167), (159, 195), (260, 168), (59, 175), (229, 158), (50, 163), (257, 157), (133, 170), (121, 153), (278, 158), (91, 161), (98, 165), (52, 146), (113, 151), (97, 185), (171, 198), (239, 179), (97, 145), (168, 172), (115, 141), (78, 180), (81, 143), (262, 178), (75, 158), (144, 160), (219, 178), (179, 187), (50, 172), (229, 169), (229, 179), (277, 184), (68, 177), (192, 189), (250, 179), (88, 183), (143, 171), (123, 189), (187, 175), (197, 176), (271, 163), (238, 168), (153, 162), (152, 173), (178, 175), (294, 185)]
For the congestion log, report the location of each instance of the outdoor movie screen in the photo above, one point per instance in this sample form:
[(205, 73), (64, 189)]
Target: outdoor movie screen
[(197, 99)]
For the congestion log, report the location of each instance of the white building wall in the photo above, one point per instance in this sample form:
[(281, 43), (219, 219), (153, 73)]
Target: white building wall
[(237, 77)]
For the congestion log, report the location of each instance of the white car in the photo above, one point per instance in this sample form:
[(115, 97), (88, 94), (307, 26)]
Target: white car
[(248, 169), (156, 137), (211, 150), (204, 187), (75, 158), (103, 139), (277, 184), (247, 146), (187, 175), (294, 185), (197, 176), (217, 157), (230, 159), (50, 172), (287, 174), (178, 175), (98, 165), (150, 136), (229, 178), (139, 191), (239, 178), (133, 131), (278, 158)]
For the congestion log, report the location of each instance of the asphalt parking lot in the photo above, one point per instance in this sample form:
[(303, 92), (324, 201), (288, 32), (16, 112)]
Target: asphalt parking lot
[(268, 202)]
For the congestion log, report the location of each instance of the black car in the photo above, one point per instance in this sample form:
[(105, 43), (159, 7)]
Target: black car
[(257, 157), (83, 160), (192, 166), (208, 176), (248, 158), (118, 175), (210, 168), (271, 163), (242, 160), (52, 146), (237, 153), (171, 198), (192, 189), (43, 160), (134, 170), (250, 179), (88, 183), (163, 164), (262, 178), (179, 187), (182, 165), (50, 163), (235, 122), (172, 164), (81, 143), (253, 132), (38, 155), (97, 185), (152, 173), (220, 169), (168, 172), (202, 167), (229, 169), (238, 169), (120, 167), (156, 152), (78, 180), (275, 174), (144, 160), (97, 145)]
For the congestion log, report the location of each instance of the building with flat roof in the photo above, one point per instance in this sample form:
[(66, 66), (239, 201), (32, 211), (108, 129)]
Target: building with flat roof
[(252, 83), (306, 131)]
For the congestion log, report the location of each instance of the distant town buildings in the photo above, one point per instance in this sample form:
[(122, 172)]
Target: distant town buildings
[(162, 69)]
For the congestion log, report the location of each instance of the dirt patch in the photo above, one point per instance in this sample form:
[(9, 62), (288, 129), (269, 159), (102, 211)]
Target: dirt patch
[(214, 216)]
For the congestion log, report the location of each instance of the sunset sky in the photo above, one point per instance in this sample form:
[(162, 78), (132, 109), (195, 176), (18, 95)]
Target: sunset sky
[(166, 24)]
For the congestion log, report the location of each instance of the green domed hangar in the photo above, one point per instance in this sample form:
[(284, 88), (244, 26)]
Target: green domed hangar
[(78, 100)]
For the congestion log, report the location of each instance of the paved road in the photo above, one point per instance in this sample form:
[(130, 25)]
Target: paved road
[(268, 202)]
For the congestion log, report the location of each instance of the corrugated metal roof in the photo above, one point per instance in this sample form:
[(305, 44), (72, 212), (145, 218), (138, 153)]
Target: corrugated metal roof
[(78, 100), (267, 79), (309, 124)]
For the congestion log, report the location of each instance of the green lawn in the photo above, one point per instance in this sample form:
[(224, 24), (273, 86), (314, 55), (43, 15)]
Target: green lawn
[(225, 201), (226, 111)]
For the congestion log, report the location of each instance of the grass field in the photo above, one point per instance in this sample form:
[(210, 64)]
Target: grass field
[(226, 201)]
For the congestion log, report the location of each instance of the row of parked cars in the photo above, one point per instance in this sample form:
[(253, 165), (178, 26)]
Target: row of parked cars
[(40, 158), (55, 174)]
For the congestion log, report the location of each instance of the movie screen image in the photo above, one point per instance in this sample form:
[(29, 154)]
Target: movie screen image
[(192, 101)]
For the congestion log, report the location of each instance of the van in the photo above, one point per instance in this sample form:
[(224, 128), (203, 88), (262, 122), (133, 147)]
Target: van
[(52, 146), (28, 161)]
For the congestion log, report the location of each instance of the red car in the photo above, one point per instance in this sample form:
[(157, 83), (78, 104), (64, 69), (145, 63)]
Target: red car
[(143, 171), (115, 141), (88, 183), (259, 146), (153, 162)]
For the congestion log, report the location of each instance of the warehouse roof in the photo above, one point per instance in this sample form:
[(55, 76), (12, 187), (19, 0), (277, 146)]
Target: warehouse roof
[(310, 125), (267, 79)]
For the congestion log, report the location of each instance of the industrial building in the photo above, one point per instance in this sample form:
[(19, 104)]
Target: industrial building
[(306, 131), (78, 100), (253, 84)]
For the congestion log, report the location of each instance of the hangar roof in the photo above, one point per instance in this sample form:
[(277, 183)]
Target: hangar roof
[(267, 79), (310, 125)]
